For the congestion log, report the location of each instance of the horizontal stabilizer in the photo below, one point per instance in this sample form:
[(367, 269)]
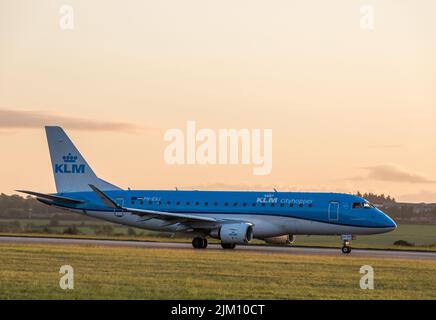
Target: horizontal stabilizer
[(51, 197)]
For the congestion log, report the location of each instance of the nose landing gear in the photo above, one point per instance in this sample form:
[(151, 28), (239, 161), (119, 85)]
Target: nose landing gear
[(346, 249), (346, 238)]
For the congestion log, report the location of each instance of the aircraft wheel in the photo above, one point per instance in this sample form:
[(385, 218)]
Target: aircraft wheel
[(204, 243), (228, 245), (346, 249), (199, 243)]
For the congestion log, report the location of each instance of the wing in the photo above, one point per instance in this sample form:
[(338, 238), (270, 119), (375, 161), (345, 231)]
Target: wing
[(173, 217)]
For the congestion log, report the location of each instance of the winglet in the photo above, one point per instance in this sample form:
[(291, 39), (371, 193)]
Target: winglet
[(108, 202)]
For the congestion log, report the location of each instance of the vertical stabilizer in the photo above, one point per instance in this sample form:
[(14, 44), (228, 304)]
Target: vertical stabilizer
[(71, 171)]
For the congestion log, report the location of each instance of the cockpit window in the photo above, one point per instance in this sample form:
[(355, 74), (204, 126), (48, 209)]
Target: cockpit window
[(357, 205), (360, 205), (367, 205)]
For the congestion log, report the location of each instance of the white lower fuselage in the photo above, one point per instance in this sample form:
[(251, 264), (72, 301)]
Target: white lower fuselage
[(263, 226)]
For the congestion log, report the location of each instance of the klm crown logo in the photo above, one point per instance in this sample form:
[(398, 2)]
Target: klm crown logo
[(69, 158), (69, 165)]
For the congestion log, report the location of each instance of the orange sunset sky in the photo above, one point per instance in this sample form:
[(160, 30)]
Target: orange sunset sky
[(350, 109)]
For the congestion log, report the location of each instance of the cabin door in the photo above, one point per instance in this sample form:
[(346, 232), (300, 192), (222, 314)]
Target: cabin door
[(333, 211)]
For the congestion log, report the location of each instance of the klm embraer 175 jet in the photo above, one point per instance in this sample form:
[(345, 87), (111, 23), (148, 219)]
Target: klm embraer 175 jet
[(232, 217)]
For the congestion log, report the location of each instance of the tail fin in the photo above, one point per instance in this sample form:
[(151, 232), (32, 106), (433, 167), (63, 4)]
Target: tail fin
[(71, 171)]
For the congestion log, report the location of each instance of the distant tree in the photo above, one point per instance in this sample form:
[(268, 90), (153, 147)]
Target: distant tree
[(104, 230), (377, 199), (47, 230), (54, 222), (18, 207), (71, 230), (12, 226)]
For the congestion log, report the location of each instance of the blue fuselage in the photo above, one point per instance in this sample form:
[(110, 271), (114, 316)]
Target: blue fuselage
[(272, 213)]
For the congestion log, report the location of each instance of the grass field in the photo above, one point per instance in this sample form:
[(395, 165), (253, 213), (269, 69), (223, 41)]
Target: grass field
[(32, 272)]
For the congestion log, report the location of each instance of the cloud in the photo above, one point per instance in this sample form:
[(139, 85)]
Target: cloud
[(393, 173), (20, 119)]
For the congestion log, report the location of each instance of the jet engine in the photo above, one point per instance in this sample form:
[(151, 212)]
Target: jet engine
[(285, 239), (238, 233)]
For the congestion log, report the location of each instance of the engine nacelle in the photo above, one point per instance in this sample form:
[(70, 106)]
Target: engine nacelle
[(238, 233), (286, 239)]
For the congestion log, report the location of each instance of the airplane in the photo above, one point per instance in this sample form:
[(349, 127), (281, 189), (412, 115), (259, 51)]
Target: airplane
[(233, 217)]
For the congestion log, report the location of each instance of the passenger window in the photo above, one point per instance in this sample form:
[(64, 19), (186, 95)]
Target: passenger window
[(197, 203), (235, 204), (206, 204)]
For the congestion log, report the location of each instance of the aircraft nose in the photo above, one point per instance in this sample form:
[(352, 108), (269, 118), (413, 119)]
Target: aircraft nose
[(389, 223)]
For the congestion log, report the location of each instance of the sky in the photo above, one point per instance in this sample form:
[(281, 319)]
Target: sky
[(351, 109)]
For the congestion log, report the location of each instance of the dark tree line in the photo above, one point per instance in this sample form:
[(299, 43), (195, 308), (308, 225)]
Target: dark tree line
[(17, 207), (377, 198)]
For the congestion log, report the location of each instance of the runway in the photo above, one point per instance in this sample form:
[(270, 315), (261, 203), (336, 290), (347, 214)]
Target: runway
[(390, 254)]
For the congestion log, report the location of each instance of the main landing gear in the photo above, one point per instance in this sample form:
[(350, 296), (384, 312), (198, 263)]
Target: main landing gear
[(346, 238), (228, 245), (199, 243)]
